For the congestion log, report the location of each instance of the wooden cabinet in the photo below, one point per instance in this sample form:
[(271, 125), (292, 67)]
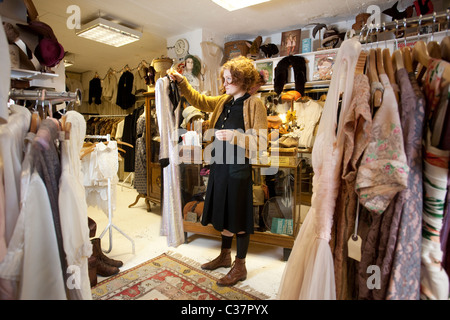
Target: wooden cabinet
[(152, 150), (290, 190)]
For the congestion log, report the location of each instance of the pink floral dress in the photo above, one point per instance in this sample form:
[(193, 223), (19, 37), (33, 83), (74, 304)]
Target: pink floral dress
[(383, 171)]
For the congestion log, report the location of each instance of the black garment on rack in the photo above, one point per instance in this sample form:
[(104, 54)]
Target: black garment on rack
[(130, 136), (125, 98), (95, 91)]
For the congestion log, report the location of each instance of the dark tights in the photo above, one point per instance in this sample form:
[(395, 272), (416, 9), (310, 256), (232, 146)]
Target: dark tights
[(242, 241)]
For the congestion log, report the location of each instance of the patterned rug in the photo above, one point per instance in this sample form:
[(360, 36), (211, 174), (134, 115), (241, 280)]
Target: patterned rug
[(170, 277)]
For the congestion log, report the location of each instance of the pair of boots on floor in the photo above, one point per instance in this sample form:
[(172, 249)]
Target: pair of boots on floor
[(98, 262), (238, 270)]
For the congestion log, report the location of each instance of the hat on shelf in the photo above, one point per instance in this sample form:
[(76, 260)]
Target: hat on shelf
[(39, 28), (189, 113), (49, 51)]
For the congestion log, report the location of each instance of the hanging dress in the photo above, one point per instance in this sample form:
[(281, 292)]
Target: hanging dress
[(406, 253), (383, 173), (171, 208), (212, 58), (140, 166), (309, 272), (356, 129), (73, 207), (434, 279)]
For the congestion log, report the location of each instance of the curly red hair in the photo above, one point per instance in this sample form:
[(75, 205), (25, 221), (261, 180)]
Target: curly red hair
[(243, 73)]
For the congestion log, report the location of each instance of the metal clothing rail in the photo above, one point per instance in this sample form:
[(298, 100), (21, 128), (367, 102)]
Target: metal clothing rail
[(394, 25), (110, 222), (107, 116), (43, 95)]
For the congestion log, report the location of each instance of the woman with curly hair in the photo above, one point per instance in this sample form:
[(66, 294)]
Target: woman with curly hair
[(239, 120)]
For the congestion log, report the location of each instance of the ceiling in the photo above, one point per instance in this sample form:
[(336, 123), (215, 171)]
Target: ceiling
[(159, 20)]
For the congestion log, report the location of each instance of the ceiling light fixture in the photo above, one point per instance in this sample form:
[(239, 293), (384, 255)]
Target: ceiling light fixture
[(232, 5), (68, 63), (108, 32)]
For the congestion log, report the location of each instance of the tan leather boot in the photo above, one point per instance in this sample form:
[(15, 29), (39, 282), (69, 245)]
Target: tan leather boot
[(237, 273), (223, 260)]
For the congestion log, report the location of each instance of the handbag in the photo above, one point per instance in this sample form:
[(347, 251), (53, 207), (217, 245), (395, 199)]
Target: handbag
[(193, 211)]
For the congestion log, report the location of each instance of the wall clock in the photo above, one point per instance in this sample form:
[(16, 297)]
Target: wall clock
[(181, 47)]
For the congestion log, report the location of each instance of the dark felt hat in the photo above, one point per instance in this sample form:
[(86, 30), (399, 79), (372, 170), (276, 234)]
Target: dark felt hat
[(49, 52), (39, 28)]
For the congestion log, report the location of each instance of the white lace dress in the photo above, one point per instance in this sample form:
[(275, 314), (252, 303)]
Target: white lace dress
[(73, 206), (99, 166)]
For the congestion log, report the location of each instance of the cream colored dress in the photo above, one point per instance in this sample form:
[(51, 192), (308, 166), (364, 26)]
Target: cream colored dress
[(309, 273)]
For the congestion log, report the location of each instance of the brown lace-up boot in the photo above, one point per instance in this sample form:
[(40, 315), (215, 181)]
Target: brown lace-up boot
[(223, 260), (237, 273), (97, 251)]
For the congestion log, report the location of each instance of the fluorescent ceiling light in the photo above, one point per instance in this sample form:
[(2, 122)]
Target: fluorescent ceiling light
[(68, 63), (232, 5), (109, 33)]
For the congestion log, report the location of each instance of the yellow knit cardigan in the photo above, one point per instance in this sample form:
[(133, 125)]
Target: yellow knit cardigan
[(254, 139)]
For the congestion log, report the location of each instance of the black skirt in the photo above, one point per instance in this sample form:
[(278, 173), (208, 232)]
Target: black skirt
[(229, 195)]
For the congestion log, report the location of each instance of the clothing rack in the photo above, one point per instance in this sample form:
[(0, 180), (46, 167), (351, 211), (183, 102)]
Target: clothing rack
[(394, 25), (125, 68), (108, 116), (43, 95), (110, 223)]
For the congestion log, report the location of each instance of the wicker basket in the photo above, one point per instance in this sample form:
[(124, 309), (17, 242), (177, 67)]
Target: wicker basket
[(234, 49), (162, 65)]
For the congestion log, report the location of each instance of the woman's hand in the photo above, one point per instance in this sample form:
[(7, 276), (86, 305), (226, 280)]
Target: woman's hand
[(174, 75), (224, 135)]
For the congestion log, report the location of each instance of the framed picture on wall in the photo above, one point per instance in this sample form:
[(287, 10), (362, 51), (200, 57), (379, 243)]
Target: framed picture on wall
[(290, 42), (266, 68), (323, 66)]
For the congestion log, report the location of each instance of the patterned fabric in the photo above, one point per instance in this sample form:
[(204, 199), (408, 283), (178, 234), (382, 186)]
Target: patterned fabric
[(383, 171), (385, 148), (406, 252), (171, 207), (140, 167), (434, 279), (309, 273), (356, 129)]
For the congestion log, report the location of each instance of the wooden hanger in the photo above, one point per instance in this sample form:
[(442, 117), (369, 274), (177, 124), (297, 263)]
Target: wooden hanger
[(125, 143), (67, 128), (387, 62), (373, 77), (372, 66), (361, 63), (397, 59), (445, 48), (35, 122), (434, 49), (420, 54), (380, 65), (407, 59)]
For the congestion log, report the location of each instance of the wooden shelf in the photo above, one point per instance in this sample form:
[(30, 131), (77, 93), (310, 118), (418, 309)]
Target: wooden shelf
[(280, 240)]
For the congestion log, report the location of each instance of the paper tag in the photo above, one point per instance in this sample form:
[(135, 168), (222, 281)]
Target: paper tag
[(354, 247)]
